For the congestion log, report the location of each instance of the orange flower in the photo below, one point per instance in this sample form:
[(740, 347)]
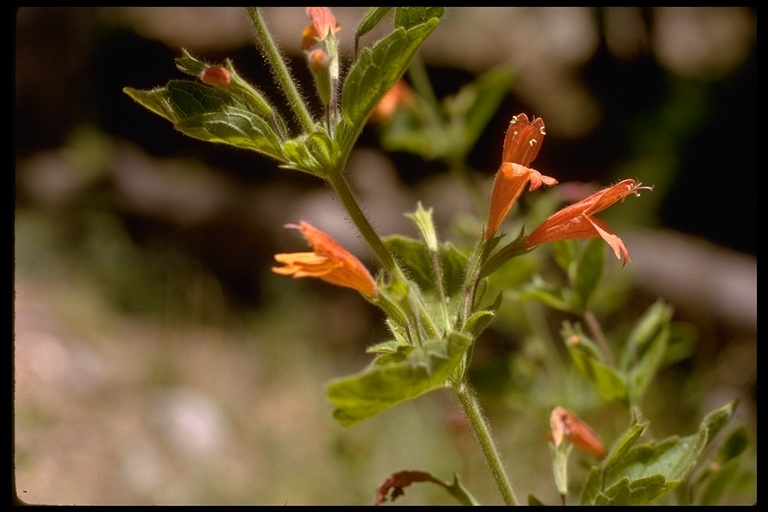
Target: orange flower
[(577, 221), (521, 145), (400, 94), (323, 23), (329, 261), (566, 425)]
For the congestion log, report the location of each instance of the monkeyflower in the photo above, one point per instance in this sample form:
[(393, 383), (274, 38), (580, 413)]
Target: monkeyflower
[(521, 145), (323, 24), (321, 48), (577, 221), (329, 261), (566, 425)]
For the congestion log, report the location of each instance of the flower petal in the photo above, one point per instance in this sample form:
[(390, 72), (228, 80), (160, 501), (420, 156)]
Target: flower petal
[(329, 262), (523, 140)]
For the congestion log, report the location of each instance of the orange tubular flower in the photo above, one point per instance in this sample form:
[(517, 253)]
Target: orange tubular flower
[(566, 425), (323, 23), (577, 221), (329, 262), (521, 145), (399, 95)]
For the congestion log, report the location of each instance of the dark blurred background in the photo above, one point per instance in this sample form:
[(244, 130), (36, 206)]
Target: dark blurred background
[(157, 358)]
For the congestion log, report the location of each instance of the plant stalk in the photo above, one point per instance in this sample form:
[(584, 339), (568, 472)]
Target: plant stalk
[(272, 53), (343, 191), (480, 427)]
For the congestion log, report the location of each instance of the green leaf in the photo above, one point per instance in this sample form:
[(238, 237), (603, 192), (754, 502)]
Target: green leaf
[(473, 106), (587, 269), (235, 127), (155, 100), (414, 259), (210, 114), (552, 295), (634, 492), (314, 153), (240, 88), (408, 17), (478, 321), (374, 74), (724, 469), (588, 359), (392, 300), (380, 387), (645, 348), (454, 263), (637, 475), (386, 347), (371, 18)]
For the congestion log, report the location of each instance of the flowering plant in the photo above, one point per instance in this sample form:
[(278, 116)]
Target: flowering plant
[(434, 293)]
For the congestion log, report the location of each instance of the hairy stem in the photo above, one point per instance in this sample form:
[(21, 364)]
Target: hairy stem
[(483, 434), (343, 191), (272, 53)]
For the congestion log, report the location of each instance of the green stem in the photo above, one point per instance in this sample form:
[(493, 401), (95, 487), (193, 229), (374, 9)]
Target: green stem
[(343, 191), (281, 71), (482, 432)]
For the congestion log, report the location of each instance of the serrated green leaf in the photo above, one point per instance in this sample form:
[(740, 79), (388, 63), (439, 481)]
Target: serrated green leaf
[(668, 461), (154, 100), (373, 75), (210, 114), (359, 397), (235, 127), (624, 443), (634, 492)]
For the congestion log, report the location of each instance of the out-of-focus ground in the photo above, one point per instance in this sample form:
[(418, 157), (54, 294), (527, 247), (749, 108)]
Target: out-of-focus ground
[(157, 360)]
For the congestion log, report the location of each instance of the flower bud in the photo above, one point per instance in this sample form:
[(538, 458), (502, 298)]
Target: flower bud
[(216, 76)]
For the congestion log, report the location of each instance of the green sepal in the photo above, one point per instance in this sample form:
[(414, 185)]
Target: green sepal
[(511, 250), (423, 220)]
